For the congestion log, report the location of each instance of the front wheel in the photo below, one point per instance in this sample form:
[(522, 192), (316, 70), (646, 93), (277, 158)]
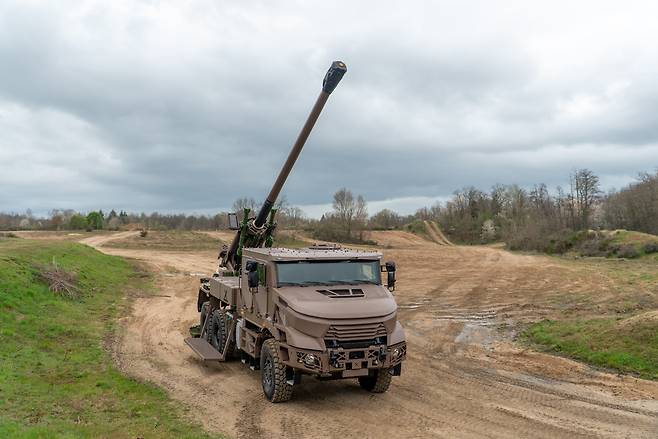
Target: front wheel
[(378, 382), (273, 373)]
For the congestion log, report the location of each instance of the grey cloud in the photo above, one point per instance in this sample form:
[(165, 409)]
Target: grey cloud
[(187, 109)]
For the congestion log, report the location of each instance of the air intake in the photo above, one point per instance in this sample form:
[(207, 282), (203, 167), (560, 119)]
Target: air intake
[(343, 292)]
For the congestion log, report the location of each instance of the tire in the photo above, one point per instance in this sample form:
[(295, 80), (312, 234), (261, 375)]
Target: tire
[(378, 383), (217, 332), (273, 373)]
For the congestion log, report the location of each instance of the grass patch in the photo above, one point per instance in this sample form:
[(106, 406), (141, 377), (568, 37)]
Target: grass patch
[(169, 240), (56, 380), (417, 227), (622, 244), (289, 239), (628, 345)]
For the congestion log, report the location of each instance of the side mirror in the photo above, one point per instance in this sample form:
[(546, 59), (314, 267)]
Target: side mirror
[(252, 276), (233, 221), (390, 275), (252, 280)]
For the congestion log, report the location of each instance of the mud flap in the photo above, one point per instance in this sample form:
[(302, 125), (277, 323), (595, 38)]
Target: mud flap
[(396, 370), (293, 377)]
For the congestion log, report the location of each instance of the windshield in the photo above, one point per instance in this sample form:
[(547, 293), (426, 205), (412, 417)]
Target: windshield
[(327, 272)]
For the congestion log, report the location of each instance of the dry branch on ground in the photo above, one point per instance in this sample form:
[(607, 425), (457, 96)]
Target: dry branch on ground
[(60, 282)]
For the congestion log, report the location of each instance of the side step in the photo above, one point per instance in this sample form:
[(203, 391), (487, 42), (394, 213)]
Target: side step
[(204, 349)]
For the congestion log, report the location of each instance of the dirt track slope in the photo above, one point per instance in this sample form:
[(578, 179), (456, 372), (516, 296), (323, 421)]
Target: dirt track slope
[(435, 233), (464, 377)]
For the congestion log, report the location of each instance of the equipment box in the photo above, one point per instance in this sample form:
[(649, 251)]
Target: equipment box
[(225, 289)]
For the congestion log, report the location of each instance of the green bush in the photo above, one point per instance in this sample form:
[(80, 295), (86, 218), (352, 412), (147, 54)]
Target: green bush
[(650, 247), (417, 227), (624, 251), (78, 222)]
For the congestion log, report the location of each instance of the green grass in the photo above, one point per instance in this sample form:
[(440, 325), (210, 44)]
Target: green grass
[(289, 239), (417, 227), (56, 379), (628, 345), (168, 240)]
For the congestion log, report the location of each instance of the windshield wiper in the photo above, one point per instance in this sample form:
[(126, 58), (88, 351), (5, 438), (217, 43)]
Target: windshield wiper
[(349, 282)]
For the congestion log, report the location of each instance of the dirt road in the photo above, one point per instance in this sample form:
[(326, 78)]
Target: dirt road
[(464, 377)]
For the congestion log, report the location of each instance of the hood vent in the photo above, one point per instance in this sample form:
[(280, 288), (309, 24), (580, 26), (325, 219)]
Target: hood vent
[(343, 292)]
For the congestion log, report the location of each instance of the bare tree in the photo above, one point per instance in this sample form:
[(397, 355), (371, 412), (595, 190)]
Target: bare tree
[(345, 208), (351, 213), (360, 215), (386, 219), (586, 191), (635, 206), (244, 203)]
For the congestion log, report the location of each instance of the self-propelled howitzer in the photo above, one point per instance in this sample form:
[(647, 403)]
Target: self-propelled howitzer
[(321, 311), (254, 232)]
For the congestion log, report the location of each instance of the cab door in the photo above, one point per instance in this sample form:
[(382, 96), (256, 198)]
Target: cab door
[(255, 297)]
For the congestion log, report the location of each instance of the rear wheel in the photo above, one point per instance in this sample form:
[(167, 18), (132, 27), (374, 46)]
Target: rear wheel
[(378, 382), (217, 332), (273, 373)]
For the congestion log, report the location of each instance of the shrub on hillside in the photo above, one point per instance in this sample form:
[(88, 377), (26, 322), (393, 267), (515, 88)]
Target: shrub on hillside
[(594, 245), (624, 251), (553, 243), (650, 247), (416, 227)]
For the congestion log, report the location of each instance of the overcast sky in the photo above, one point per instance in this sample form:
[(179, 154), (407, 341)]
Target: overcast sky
[(188, 105)]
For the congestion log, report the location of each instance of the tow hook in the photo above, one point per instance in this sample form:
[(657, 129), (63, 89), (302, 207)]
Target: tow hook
[(333, 360)]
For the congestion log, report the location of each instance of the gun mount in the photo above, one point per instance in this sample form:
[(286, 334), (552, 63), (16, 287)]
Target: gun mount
[(254, 232)]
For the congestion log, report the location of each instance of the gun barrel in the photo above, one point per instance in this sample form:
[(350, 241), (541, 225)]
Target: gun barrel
[(331, 80)]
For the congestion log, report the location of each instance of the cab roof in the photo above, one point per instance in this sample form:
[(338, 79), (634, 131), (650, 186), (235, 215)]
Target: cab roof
[(299, 254)]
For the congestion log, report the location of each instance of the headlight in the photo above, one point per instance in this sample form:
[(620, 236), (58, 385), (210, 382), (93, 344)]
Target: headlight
[(311, 360), (398, 352)]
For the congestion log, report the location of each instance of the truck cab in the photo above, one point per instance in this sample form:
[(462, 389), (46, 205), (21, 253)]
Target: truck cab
[(312, 311)]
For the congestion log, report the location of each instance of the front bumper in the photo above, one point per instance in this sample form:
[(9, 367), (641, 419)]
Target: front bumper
[(345, 363)]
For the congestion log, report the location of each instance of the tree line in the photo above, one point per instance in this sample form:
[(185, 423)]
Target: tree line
[(537, 218), (522, 217)]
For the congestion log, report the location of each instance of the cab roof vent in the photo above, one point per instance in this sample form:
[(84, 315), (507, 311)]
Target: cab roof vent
[(317, 246)]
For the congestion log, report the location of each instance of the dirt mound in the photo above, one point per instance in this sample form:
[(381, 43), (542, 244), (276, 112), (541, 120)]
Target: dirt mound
[(397, 239)]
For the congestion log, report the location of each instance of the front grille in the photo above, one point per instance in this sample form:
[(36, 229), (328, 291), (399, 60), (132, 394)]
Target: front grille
[(363, 331)]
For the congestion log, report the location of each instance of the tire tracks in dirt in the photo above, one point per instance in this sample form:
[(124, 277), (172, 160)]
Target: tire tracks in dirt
[(455, 384)]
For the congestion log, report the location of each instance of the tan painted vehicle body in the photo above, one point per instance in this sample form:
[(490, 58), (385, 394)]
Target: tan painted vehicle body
[(319, 311), (331, 331)]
